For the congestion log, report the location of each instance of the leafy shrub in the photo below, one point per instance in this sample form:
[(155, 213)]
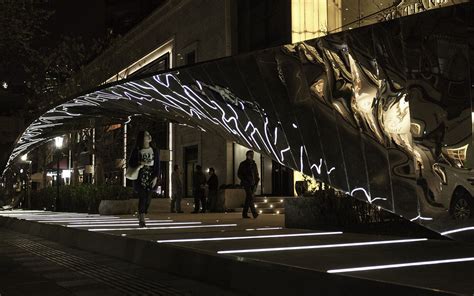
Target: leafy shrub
[(81, 199), (339, 209)]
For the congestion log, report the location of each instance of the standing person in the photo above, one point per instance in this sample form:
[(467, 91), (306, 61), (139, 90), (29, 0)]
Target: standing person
[(177, 188), (213, 185), (199, 190), (249, 178), (146, 159)]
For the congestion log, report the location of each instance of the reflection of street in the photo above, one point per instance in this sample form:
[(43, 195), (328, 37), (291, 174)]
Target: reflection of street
[(441, 127)]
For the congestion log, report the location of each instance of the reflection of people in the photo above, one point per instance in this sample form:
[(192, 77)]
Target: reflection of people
[(199, 190), (213, 184), (147, 160), (177, 188), (248, 175)]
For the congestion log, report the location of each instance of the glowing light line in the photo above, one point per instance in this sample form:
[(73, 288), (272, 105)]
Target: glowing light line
[(165, 227), (402, 265), (246, 237), (457, 230), (421, 218), (131, 224), (327, 246), (283, 151), (370, 200)]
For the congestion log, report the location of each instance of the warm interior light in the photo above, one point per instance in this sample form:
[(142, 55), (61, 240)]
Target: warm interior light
[(24, 157)]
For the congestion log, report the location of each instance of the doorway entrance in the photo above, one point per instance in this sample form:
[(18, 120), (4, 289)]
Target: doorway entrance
[(190, 162), (282, 180)]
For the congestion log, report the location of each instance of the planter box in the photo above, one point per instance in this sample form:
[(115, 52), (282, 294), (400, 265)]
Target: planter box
[(232, 198), (118, 207)]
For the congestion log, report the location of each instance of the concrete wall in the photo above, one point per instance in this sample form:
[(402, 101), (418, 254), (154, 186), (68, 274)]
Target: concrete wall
[(201, 24)]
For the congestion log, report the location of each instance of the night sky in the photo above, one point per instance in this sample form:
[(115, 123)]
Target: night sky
[(86, 21)]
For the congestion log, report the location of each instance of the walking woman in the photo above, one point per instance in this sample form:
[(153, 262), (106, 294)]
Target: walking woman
[(145, 162)]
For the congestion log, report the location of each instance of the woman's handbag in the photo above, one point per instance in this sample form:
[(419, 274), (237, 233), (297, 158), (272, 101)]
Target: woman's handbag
[(132, 173)]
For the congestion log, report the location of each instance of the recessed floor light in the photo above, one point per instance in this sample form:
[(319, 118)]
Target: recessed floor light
[(401, 265), (457, 230), (325, 246), (185, 240), (164, 227), (130, 224)]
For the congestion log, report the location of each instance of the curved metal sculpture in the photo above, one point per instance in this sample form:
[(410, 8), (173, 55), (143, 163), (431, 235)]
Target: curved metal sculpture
[(382, 112)]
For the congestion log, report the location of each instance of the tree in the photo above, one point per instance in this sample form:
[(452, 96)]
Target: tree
[(21, 23)]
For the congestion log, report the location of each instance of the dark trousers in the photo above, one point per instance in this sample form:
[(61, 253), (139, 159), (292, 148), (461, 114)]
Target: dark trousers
[(176, 202), (249, 201), (199, 199), (212, 200), (144, 199)]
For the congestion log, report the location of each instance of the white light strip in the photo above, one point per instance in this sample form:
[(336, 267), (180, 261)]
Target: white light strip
[(90, 221), (44, 217), (327, 246), (130, 224), (457, 230), (401, 265), (74, 219), (246, 237), (114, 221), (165, 227), (50, 214), (269, 228), (22, 212)]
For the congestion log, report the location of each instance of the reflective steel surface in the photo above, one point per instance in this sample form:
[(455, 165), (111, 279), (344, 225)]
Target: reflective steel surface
[(382, 112)]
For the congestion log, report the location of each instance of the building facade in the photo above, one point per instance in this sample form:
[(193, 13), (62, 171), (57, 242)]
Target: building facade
[(183, 32)]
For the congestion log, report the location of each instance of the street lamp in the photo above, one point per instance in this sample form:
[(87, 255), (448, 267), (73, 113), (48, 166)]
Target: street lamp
[(58, 141), (24, 159)]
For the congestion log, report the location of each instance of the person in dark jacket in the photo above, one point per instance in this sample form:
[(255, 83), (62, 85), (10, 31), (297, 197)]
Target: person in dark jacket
[(147, 158), (213, 186), (177, 189), (199, 190), (249, 178)]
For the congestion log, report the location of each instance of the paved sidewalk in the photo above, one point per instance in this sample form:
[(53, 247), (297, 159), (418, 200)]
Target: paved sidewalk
[(226, 250), (33, 266)]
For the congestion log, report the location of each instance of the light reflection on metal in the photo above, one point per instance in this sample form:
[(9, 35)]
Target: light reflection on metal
[(356, 110)]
